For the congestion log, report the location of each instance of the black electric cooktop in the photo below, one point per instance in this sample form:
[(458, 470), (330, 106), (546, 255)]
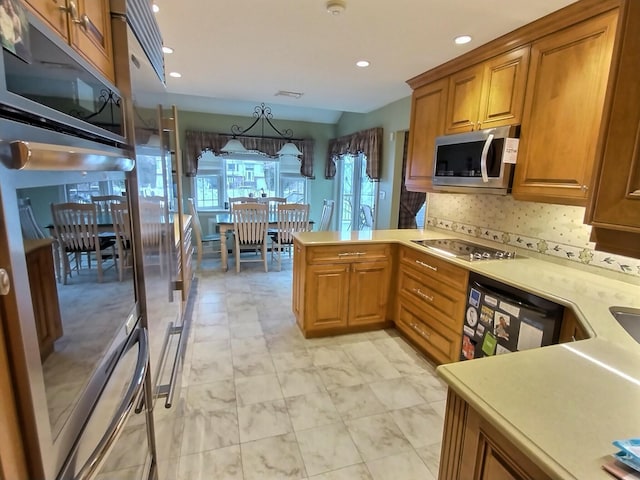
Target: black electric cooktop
[(455, 247)]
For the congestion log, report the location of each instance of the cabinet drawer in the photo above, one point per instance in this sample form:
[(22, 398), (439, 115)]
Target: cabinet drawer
[(348, 252), (438, 342), (435, 268), (442, 302)]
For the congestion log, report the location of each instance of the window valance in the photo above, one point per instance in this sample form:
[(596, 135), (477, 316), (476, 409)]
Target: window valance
[(198, 142), (368, 142)]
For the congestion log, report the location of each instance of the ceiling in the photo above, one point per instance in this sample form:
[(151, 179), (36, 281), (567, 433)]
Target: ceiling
[(235, 54)]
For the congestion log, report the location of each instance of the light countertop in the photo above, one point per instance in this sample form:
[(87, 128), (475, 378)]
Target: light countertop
[(564, 404)]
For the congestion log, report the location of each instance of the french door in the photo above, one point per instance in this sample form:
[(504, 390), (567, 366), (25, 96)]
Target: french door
[(356, 195)]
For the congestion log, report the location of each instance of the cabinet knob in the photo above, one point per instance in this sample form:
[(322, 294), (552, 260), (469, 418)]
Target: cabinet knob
[(584, 188)]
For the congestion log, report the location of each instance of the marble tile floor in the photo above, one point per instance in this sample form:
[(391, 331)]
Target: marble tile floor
[(259, 401)]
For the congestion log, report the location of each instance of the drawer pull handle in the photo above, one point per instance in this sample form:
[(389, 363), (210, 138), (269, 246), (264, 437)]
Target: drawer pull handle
[(435, 269), (351, 254), (419, 330), (421, 294)]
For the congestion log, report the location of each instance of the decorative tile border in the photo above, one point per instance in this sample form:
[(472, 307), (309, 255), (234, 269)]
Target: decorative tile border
[(581, 254)]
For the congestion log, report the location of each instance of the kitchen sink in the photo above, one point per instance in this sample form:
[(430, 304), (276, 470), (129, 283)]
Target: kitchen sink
[(629, 319)]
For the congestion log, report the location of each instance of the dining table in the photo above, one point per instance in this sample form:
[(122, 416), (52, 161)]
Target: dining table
[(224, 221)]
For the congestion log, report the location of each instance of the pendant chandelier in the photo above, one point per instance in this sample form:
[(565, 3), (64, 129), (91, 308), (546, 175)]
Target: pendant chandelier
[(262, 114)]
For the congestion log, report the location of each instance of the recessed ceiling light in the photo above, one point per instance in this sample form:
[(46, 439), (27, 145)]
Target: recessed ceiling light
[(166, 49), (462, 39), (362, 63), (336, 7), (155, 8), (175, 74)]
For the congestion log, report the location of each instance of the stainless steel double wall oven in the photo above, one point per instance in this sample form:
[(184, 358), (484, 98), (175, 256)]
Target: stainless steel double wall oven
[(67, 133)]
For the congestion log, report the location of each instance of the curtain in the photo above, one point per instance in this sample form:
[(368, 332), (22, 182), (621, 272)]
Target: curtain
[(410, 202), (198, 142), (368, 142)]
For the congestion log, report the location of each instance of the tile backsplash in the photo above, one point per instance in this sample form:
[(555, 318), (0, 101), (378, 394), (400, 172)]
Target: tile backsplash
[(548, 229)]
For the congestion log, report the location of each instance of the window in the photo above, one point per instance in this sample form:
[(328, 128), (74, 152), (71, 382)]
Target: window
[(249, 175), (82, 192)]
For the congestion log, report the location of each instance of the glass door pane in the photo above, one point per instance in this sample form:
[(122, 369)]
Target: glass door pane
[(357, 194)]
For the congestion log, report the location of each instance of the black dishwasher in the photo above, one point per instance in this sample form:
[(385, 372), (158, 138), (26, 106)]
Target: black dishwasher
[(502, 319)]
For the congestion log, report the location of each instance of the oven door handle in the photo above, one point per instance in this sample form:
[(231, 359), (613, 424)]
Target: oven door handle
[(483, 158), (118, 421)]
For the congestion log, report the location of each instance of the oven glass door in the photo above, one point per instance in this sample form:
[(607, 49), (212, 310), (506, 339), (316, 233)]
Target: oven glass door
[(70, 322)]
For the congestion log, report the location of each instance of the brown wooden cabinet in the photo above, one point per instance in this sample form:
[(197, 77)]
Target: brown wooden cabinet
[(430, 303), (565, 97), (84, 24), (44, 294), (90, 34), (614, 208), (472, 449), (571, 330), (489, 94), (463, 102), (428, 110), (342, 288), (52, 13)]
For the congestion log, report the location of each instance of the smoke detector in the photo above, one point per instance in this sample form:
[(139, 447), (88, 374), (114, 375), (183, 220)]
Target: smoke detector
[(336, 7)]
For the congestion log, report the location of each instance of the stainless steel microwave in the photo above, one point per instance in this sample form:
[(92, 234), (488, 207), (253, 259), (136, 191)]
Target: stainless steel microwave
[(476, 162)]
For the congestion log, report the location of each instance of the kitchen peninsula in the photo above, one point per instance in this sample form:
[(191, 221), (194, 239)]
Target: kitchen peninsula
[(550, 412)]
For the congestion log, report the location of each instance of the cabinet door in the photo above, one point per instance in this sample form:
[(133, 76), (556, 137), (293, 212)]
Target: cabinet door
[(616, 201), (53, 13), (503, 87), (463, 104), (327, 296), (472, 449), (368, 292), (90, 32), (428, 110), (565, 97), (44, 295)]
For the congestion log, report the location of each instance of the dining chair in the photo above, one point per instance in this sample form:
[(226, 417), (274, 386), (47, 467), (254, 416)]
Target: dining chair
[(32, 231), (76, 230), (292, 217), (327, 213), (28, 224), (236, 200), (366, 217), (122, 232), (213, 239), (152, 226), (250, 223), (272, 203), (103, 202)]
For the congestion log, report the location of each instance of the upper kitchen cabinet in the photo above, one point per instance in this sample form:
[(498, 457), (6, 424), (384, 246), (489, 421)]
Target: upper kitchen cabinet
[(90, 32), (54, 14), (563, 108), (550, 76), (614, 208), (85, 24), (428, 109), (489, 94)]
